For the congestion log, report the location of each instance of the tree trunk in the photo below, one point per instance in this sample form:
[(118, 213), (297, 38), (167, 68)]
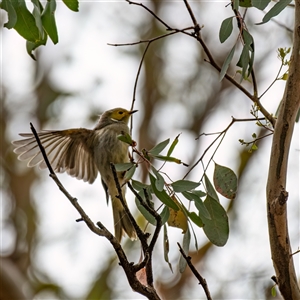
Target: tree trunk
[(277, 195)]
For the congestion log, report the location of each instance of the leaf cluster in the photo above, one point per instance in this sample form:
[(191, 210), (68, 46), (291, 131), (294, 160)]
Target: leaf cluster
[(36, 26)]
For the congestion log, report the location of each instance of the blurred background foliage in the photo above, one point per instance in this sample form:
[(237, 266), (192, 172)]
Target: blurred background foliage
[(178, 92)]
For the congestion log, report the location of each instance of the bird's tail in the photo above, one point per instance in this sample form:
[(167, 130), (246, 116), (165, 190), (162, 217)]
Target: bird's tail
[(121, 221)]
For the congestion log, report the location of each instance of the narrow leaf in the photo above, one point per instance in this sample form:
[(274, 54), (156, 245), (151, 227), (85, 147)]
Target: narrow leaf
[(126, 138), (236, 4), (162, 196), (185, 246), (260, 4), (195, 219), (143, 210), (48, 20), (227, 63), (25, 24), (123, 166), (159, 182), (275, 10), (225, 181), (167, 248), (130, 172), (139, 186), (159, 147), (165, 214), (173, 145), (203, 212), (168, 158), (210, 189), (216, 229), (184, 185), (248, 39), (72, 4), (226, 29), (244, 60), (245, 3), (12, 15)]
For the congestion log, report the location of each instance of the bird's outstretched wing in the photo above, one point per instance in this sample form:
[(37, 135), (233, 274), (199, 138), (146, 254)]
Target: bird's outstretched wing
[(67, 151)]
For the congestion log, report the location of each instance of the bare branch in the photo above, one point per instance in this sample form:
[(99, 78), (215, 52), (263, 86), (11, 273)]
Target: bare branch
[(202, 281)]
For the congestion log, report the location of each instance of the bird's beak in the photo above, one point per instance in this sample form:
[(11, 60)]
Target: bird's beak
[(133, 111)]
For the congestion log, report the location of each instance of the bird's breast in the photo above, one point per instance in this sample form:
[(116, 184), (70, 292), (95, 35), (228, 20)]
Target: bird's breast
[(108, 148)]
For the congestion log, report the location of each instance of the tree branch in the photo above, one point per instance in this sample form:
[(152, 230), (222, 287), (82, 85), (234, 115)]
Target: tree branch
[(277, 195), (202, 281)]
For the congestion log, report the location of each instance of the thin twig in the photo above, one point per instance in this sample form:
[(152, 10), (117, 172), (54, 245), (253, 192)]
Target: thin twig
[(222, 133), (151, 12), (202, 280)]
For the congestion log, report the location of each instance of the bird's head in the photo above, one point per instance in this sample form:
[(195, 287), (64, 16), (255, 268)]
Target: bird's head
[(120, 114), (115, 115)]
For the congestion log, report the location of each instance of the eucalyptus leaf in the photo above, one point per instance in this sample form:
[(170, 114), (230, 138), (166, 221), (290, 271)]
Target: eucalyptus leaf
[(225, 181), (48, 20), (227, 63), (159, 147), (185, 247), (275, 10), (226, 29), (162, 195), (216, 229), (184, 185)]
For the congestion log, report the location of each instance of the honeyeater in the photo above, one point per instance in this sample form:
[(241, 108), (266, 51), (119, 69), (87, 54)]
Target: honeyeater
[(83, 153)]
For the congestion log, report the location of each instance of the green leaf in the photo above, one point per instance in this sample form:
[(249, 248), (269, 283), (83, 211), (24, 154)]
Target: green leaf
[(12, 15), (195, 219), (227, 63), (30, 46), (149, 217), (245, 3), (123, 166), (25, 24), (159, 182), (216, 229), (226, 29), (48, 20), (167, 248), (139, 186), (125, 137), (173, 145), (159, 147), (225, 181), (184, 185), (72, 4), (210, 189), (236, 4), (162, 196), (260, 4), (169, 159), (130, 172), (244, 60), (248, 39), (203, 212), (185, 247), (165, 214), (37, 13), (199, 193), (275, 10)]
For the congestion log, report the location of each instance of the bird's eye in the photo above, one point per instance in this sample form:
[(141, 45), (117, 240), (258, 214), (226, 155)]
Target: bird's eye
[(120, 113)]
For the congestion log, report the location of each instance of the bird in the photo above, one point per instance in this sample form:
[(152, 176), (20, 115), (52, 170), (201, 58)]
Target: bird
[(83, 153)]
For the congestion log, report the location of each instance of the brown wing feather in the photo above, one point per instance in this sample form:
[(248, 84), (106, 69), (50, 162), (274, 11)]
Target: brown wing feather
[(67, 151)]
